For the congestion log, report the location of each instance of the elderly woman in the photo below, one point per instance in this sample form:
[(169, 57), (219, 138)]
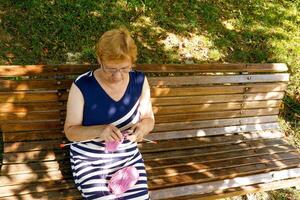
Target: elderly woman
[(102, 104)]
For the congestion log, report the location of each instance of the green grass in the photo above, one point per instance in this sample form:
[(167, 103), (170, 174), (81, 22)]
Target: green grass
[(194, 31), (280, 194)]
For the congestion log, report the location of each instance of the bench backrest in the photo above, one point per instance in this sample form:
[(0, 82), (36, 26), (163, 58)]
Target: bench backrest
[(203, 99)]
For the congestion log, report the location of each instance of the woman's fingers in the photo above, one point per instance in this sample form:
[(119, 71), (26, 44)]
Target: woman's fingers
[(114, 136), (132, 138), (135, 137), (132, 129), (117, 135), (110, 138)]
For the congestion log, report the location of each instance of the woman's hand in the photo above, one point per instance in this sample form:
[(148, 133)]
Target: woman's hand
[(111, 133), (138, 133)]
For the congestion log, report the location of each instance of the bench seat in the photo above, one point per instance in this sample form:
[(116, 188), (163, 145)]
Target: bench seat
[(175, 167)]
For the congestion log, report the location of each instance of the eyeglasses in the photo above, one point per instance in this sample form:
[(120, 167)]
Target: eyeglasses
[(115, 70)]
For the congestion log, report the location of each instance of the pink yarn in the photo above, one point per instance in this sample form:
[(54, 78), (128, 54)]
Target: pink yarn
[(123, 179), (114, 145)]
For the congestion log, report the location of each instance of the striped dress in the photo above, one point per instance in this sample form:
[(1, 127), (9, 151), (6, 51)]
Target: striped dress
[(92, 167)]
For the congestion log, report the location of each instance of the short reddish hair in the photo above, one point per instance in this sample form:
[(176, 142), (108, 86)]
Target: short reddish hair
[(116, 44)]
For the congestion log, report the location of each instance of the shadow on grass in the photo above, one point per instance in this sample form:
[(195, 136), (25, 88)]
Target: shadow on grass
[(240, 32)]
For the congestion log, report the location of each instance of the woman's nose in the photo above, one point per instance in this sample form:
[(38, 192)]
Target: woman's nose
[(117, 74)]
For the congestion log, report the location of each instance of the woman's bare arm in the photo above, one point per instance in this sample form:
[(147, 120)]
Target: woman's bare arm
[(146, 111), (73, 128), (146, 123)]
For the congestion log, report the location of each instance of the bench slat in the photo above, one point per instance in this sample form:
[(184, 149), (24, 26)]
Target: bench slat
[(32, 146), (35, 156), (204, 107), (48, 70), (36, 167), (30, 106), (223, 89), (37, 96), (43, 70), (273, 67), (236, 191), (17, 179), (31, 116), (32, 135), (66, 194), (215, 98), (35, 84), (33, 126), (171, 126), (216, 115), (212, 131), (200, 80), (40, 188)]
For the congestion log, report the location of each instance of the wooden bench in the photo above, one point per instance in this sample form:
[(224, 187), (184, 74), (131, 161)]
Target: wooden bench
[(216, 126)]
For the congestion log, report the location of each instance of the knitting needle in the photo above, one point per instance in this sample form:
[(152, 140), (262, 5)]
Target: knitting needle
[(150, 141), (67, 144), (131, 131)]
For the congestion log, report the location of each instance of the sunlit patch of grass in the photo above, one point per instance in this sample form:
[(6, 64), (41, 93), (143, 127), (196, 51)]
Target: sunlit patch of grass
[(284, 194)]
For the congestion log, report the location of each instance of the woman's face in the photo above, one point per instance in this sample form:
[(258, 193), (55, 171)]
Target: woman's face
[(116, 71)]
